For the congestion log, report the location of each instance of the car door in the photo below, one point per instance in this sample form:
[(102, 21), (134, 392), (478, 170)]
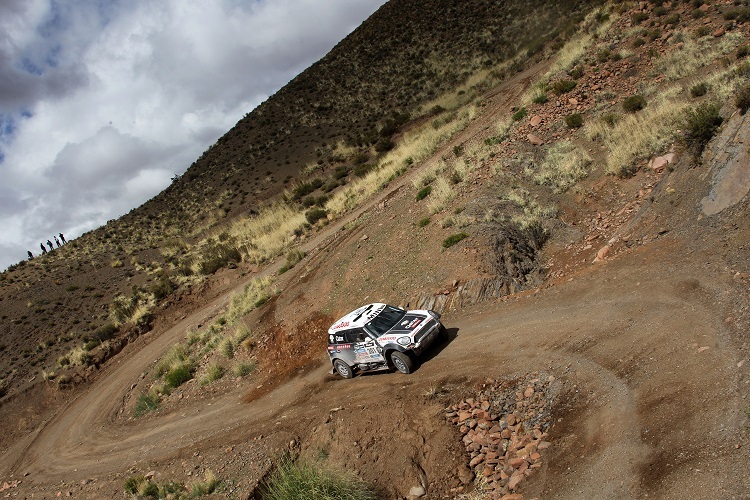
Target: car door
[(340, 347), (364, 347)]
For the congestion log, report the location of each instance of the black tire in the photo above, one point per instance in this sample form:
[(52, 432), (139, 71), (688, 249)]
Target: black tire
[(402, 362), (343, 369)]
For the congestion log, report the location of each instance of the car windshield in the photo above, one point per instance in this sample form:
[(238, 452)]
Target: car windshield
[(384, 321)]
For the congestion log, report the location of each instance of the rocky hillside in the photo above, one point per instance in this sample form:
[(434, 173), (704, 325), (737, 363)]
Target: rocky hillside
[(410, 62)]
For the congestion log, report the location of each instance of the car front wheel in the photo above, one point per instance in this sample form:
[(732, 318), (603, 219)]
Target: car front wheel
[(402, 362), (343, 369)]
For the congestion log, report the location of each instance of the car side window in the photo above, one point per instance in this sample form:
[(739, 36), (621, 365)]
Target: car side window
[(355, 335)]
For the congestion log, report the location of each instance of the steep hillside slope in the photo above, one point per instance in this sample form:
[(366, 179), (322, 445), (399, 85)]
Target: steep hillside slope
[(582, 225), (320, 132)]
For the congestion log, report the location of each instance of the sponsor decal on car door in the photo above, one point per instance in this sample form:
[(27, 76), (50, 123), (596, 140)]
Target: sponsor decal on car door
[(368, 352)]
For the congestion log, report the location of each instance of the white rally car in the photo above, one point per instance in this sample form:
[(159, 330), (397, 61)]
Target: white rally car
[(378, 336)]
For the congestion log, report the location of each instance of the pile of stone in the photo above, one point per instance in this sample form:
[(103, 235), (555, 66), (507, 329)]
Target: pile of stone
[(504, 429)]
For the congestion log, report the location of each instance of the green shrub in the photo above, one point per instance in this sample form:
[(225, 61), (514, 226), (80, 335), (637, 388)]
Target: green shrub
[(610, 119), (385, 144), (574, 121), (743, 51), (424, 192), (638, 42), (303, 189), (142, 487), (227, 348), (217, 255), (672, 19), (179, 374), (519, 115), (698, 90), (105, 332), (741, 14), (363, 169), (164, 286), (742, 98), (316, 214), (540, 98), (638, 17), (423, 222), (576, 72), (563, 86), (243, 368), (341, 172), (146, 402), (702, 31), (701, 124), (453, 239), (292, 258), (214, 372), (205, 487), (293, 480), (634, 103)]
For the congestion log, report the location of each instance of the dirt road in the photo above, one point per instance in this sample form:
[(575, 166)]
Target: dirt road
[(649, 349), (653, 399)]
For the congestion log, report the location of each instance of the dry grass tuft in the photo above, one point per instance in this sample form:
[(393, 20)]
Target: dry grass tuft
[(564, 165)]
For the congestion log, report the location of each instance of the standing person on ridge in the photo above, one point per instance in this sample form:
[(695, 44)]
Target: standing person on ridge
[(57, 242), (49, 244), (31, 255), (63, 238), (44, 250)]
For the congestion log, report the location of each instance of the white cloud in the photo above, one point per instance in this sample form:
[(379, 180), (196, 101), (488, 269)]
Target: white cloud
[(102, 102)]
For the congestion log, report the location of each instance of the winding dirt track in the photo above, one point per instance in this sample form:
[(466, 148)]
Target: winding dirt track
[(649, 409)]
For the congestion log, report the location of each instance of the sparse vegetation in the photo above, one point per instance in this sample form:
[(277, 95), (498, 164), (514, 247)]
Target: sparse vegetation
[(634, 103), (563, 86), (424, 193), (564, 165), (243, 368), (574, 121), (292, 258), (214, 372), (742, 98), (701, 124), (453, 239), (142, 486), (146, 402), (699, 89), (292, 480)]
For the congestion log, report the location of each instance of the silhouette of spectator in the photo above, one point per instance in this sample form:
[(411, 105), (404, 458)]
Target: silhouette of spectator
[(44, 250), (57, 242), (31, 255), (63, 238), (49, 244)]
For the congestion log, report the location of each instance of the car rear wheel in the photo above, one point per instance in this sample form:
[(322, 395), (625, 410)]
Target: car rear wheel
[(343, 369), (402, 362)]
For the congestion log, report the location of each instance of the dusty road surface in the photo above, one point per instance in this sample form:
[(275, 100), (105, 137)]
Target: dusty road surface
[(653, 400)]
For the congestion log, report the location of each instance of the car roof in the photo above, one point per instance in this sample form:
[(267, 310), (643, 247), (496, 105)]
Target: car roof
[(357, 318)]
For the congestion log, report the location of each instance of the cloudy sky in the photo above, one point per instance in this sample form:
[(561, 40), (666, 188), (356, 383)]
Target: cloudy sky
[(103, 101)]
